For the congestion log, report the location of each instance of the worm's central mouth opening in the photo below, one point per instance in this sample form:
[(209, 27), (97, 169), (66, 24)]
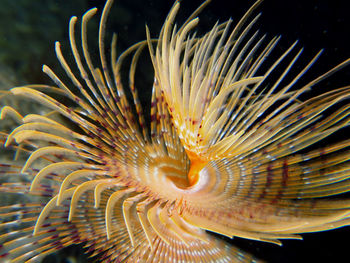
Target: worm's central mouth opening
[(197, 164), (193, 174)]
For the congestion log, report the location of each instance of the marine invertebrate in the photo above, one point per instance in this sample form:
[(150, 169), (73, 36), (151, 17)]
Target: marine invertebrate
[(225, 151)]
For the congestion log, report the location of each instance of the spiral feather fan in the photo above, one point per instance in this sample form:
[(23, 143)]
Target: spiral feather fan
[(226, 150)]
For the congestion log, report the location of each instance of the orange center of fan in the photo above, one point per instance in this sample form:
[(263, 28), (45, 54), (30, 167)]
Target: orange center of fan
[(197, 164)]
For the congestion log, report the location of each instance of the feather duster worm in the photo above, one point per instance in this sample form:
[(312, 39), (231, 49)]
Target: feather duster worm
[(225, 151)]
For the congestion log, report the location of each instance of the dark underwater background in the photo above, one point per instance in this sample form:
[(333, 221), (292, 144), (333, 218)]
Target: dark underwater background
[(29, 28)]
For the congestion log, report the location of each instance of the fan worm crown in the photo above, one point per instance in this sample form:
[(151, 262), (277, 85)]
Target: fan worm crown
[(226, 150)]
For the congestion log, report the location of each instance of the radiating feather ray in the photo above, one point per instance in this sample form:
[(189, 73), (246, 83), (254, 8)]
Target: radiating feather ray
[(78, 174), (233, 103), (44, 127), (229, 69), (50, 102), (76, 55), (127, 203), (101, 34), (109, 208), (52, 168), (86, 106), (124, 105), (87, 16), (7, 110), (48, 207), (248, 115), (53, 150), (134, 93)]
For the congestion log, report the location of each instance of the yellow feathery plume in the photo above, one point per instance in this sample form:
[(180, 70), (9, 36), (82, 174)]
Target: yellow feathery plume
[(230, 148)]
